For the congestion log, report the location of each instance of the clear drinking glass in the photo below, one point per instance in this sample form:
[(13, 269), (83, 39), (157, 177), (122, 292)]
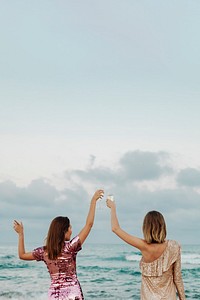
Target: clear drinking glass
[(110, 197)]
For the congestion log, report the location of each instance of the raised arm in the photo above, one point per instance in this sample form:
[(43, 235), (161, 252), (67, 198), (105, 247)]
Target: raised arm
[(126, 237), (18, 227), (90, 217)]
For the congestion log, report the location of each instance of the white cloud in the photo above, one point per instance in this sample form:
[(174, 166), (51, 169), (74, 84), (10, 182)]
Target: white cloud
[(41, 200)]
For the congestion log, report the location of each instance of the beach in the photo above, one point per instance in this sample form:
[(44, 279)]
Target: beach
[(104, 271)]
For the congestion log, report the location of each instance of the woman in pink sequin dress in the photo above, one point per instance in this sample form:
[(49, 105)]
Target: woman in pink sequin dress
[(59, 253), (161, 259)]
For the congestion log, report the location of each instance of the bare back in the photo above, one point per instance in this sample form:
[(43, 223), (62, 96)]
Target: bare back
[(153, 251)]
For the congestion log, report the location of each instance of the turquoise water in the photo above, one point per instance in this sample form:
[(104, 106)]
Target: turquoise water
[(104, 271)]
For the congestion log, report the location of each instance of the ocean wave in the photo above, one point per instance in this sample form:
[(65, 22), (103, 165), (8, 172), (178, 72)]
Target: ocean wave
[(8, 265), (192, 272), (102, 280), (94, 268), (129, 271), (115, 258), (7, 257), (191, 258), (123, 258), (22, 296), (133, 257)]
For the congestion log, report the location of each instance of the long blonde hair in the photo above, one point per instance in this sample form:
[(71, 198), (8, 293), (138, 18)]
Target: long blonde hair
[(154, 227)]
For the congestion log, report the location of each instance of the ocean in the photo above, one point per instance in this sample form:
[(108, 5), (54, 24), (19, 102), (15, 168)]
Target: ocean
[(104, 271)]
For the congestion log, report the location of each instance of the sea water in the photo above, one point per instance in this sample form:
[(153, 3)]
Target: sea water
[(104, 271)]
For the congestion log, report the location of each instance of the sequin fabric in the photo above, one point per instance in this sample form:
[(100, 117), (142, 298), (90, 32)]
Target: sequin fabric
[(64, 282), (161, 279)]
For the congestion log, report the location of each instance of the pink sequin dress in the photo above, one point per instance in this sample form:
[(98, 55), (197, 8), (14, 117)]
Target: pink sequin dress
[(64, 282), (161, 279)]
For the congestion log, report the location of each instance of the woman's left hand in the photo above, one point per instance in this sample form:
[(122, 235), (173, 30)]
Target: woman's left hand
[(110, 203)]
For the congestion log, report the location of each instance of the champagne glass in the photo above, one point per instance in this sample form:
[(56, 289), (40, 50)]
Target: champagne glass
[(110, 197)]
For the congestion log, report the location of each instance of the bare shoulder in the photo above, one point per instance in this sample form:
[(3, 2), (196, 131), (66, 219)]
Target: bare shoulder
[(151, 252)]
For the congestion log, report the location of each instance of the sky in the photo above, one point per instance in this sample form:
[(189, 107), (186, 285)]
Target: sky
[(99, 94)]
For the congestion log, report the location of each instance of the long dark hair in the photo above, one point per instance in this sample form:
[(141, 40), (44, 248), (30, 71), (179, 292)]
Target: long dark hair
[(56, 236)]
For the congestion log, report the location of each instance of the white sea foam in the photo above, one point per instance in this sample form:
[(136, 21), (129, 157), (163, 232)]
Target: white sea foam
[(191, 258), (133, 257)]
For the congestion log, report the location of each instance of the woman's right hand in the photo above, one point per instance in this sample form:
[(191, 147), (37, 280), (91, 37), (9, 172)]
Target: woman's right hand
[(98, 195), (18, 227)]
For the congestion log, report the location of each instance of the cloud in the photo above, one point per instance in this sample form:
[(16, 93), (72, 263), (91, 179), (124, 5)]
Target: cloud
[(32, 201), (41, 201), (189, 177), (140, 165), (97, 175), (133, 166)]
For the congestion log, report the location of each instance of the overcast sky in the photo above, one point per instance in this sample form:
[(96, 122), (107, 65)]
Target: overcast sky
[(99, 94)]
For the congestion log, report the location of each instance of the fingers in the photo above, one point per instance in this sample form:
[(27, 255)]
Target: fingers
[(18, 227), (16, 223), (110, 203), (100, 193)]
